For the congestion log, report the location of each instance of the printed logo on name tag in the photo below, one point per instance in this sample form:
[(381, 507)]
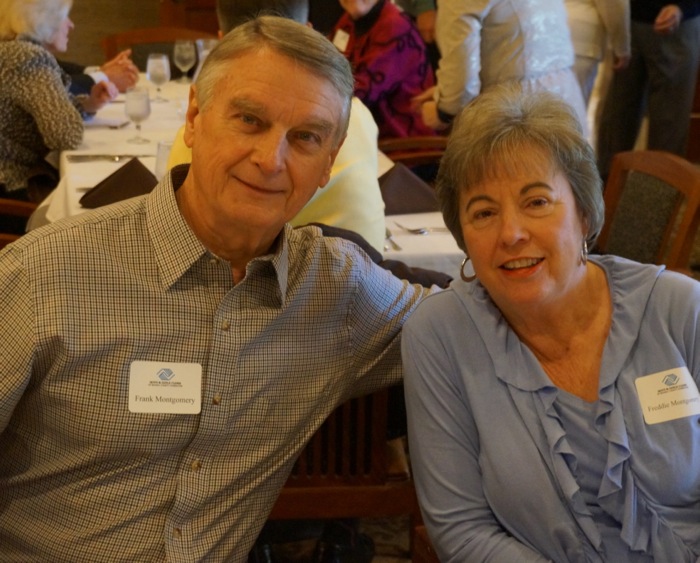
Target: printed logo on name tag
[(668, 395)]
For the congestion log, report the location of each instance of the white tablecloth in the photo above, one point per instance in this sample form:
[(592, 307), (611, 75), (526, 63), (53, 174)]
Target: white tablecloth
[(434, 251)]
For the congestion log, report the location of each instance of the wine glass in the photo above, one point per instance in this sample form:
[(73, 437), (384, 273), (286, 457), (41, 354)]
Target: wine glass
[(184, 56), (137, 105), (158, 72)]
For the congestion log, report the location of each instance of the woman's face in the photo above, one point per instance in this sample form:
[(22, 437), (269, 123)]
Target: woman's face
[(358, 8), (59, 42), (524, 233)]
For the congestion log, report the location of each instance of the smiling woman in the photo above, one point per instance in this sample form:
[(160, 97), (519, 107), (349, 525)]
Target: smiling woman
[(569, 350)]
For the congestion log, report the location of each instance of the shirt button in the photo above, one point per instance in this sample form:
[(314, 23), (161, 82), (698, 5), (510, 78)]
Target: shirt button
[(196, 465), (216, 399), (177, 533), (213, 261), (226, 325)]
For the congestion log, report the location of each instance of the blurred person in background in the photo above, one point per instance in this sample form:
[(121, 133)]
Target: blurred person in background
[(37, 112), (120, 71), (595, 26), (659, 81), (389, 61), (484, 43)]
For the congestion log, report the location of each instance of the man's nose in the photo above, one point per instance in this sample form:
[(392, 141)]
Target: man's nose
[(269, 152)]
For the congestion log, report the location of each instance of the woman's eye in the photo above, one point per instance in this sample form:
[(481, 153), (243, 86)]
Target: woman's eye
[(481, 214)]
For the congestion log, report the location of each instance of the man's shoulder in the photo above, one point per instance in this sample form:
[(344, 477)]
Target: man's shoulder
[(108, 225)]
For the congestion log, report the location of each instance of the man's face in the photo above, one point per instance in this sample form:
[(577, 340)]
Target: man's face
[(263, 144)]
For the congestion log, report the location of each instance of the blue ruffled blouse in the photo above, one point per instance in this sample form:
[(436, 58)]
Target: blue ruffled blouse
[(491, 458)]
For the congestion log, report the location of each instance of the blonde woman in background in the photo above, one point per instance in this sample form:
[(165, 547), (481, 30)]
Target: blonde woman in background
[(37, 113)]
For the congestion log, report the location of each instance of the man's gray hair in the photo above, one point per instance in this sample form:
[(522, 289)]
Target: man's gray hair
[(299, 42), (490, 136)]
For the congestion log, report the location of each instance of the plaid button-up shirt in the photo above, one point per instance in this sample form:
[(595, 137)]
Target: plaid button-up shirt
[(84, 479)]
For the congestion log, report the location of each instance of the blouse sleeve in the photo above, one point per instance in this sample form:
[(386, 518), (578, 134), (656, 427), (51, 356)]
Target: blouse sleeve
[(444, 448)]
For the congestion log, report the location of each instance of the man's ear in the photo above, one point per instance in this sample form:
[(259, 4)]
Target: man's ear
[(192, 113)]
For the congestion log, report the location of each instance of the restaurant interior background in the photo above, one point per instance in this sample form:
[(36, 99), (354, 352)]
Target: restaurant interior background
[(94, 19)]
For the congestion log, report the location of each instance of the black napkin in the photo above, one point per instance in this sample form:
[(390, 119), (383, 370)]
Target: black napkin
[(127, 181), (404, 192)]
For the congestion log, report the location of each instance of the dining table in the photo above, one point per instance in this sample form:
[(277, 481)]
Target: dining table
[(105, 148)]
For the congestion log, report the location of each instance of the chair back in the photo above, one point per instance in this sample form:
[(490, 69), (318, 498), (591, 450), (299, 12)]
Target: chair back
[(342, 471), (414, 151), (144, 41), (13, 219), (652, 208)]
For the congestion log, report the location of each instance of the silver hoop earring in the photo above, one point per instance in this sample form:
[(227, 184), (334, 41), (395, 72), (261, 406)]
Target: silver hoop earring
[(466, 278), (584, 253)]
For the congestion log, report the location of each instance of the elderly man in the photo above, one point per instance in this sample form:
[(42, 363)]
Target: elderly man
[(165, 359), (351, 199)]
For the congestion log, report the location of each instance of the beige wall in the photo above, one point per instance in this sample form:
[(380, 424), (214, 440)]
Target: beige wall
[(96, 18)]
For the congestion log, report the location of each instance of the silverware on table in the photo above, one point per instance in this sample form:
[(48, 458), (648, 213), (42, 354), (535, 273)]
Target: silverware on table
[(391, 241), (422, 230), (110, 157)]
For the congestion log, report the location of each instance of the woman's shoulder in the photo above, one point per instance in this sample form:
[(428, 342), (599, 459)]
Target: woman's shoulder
[(22, 55)]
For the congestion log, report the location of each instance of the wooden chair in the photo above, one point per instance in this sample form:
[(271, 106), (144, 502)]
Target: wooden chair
[(423, 551), (342, 471), (9, 209), (143, 41), (414, 151), (652, 208)]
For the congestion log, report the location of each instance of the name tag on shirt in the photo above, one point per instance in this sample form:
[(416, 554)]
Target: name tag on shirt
[(668, 395), (340, 40), (158, 387)]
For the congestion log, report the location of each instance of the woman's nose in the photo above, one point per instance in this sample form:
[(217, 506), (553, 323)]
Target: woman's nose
[(513, 228)]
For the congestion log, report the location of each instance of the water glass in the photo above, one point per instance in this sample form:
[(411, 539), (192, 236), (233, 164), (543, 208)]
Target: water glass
[(137, 106), (158, 72), (184, 56)]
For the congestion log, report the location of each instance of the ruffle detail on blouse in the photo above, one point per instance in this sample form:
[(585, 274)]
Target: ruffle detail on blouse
[(564, 465)]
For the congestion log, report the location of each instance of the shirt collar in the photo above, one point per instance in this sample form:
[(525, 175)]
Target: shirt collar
[(177, 248)]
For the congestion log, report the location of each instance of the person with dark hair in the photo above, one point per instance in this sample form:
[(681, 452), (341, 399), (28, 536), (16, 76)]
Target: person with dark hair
[(552, 395), (166, 358), (232, 13), (390, 63)]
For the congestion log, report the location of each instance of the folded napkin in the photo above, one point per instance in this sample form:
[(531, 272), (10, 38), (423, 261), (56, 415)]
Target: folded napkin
[(127, 181), (404, 192)]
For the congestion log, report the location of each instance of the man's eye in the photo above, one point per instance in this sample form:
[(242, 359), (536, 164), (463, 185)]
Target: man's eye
[(248, 119), (308, 137)]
